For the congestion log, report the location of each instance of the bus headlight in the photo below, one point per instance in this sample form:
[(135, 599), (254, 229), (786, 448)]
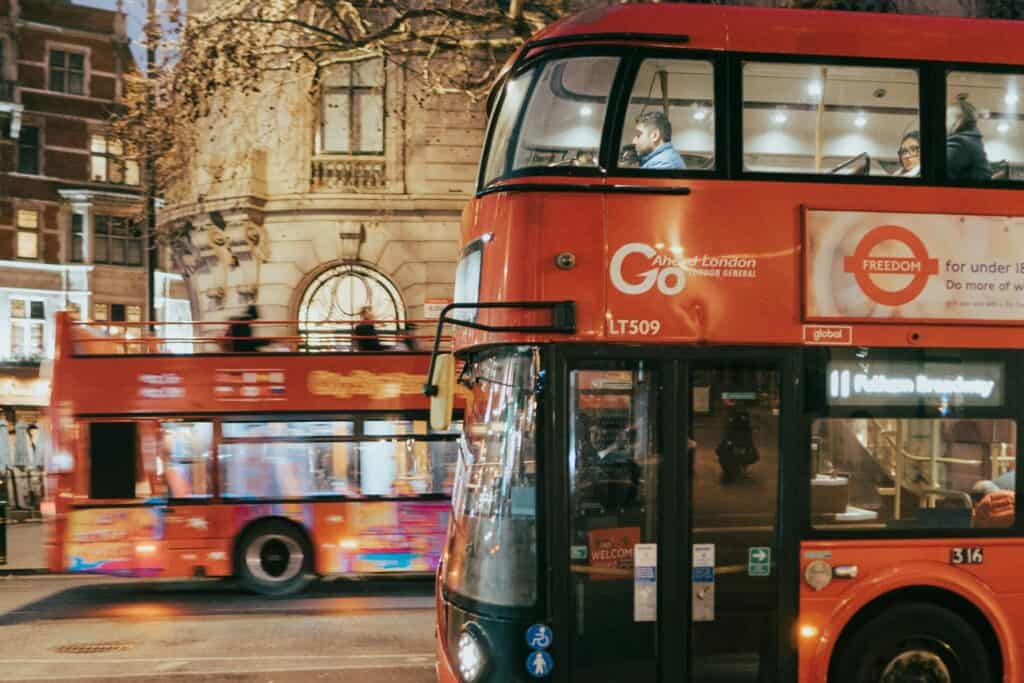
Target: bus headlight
[(470, 655)]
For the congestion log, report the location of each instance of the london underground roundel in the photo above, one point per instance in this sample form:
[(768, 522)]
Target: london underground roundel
[(864, 265)]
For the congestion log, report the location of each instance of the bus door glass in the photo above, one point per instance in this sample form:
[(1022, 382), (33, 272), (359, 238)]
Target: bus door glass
[(734, 470), (613, 484)]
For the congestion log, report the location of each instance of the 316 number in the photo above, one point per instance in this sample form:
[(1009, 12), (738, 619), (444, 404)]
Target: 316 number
[(973, 555)]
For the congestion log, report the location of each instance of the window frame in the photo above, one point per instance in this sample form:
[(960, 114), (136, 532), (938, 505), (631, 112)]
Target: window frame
[(350, 90), (109, 239), (19, 229), (111, 161), (66, 70), (813, 374), (36, 151), (26, 324), (358, 436), (941, 88), (622, 97), (926, 124)]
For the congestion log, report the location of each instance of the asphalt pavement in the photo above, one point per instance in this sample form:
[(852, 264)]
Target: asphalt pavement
[(84, 629)]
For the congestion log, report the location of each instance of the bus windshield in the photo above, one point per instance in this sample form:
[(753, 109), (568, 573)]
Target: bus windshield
[(492, 542)]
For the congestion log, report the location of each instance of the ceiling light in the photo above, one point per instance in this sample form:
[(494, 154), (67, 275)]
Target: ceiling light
[(1011, 98), (814, 89), (861, 120), (779, 117), (586, 111), (700, 115), (1003, 127)]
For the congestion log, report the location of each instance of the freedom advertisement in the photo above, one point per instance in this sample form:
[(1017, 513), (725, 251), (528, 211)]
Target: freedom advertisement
[(899, 267)]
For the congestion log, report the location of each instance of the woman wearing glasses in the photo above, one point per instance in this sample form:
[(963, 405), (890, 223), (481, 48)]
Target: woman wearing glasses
[(910, 155)]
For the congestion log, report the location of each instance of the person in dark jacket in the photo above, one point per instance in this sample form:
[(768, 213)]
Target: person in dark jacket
[(965, 149), (240, 332), (365, 333)]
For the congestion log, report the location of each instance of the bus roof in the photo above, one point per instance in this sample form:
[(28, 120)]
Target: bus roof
[(808, 32)]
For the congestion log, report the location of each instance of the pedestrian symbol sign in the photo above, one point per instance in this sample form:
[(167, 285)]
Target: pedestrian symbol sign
[(759, 561), (539, 637), (539, 664)]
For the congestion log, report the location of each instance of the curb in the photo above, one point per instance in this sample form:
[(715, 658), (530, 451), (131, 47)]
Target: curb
[(29, 571)]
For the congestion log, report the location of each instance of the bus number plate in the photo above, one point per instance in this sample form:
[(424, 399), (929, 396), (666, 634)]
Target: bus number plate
[(969, 555)]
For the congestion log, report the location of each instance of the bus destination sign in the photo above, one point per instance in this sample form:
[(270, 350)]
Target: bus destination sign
[(898, 383)]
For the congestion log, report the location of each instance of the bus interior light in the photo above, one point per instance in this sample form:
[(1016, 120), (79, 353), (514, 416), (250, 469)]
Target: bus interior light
[(779, 117), (861, 120), (586, 111), (1011, 98), (1003, 127), (814, 89)]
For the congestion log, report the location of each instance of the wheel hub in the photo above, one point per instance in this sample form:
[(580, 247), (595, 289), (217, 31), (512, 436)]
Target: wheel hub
[(916, 666), (274, 558)]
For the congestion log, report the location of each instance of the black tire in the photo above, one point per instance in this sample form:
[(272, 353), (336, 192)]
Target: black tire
[(273, 558), (913, 643)]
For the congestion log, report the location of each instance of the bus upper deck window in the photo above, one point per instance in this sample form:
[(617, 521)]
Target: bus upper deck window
[(983, 132), (670, 120), (828, 119), (565, 113)]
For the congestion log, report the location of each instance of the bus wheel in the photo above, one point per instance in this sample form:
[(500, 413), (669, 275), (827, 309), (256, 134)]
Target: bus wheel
[(914, 642), (273, 558)]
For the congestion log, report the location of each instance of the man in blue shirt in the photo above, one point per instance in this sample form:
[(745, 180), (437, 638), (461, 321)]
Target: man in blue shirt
[(653, 142)]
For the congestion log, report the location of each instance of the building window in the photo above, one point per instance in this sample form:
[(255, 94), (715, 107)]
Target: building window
[(118, 241), (352, 109), (116, 313), (28, 150), (329, 308), (107, 162), (77, 238), (28, 327), (67, 72), (28, 234)]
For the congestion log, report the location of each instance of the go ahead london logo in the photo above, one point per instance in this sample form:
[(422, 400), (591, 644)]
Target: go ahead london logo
[(667, 273), (863, 265)]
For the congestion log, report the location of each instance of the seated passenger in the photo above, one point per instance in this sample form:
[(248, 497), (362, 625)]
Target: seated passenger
[(994, 506), (909, 154), (965, 150), (653, 142)]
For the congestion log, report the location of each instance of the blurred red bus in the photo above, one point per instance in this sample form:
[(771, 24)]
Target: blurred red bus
[(174, 458), (739, 304)]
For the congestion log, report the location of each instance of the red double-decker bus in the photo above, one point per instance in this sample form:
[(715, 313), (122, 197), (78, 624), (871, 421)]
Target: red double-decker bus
[(173, 457), (740, 307)]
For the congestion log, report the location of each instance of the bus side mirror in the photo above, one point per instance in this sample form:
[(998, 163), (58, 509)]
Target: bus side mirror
[(441, 403)]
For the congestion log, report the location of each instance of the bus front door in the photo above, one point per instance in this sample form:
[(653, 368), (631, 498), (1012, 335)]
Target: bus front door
[(733, 449), (673, 480)]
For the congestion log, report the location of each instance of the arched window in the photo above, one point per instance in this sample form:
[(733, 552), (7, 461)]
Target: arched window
[(330, 306)]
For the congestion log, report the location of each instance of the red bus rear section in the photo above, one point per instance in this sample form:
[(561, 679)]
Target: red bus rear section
[(269, 466)]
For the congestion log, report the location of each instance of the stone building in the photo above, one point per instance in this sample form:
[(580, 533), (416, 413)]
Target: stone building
[(314, 204), (71, 234)]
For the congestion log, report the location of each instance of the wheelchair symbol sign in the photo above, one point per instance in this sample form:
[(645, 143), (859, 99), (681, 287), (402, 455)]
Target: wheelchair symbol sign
[(539, 637)]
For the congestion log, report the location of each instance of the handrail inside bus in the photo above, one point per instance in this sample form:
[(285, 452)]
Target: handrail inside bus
[(104, 338), (563, 321)]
